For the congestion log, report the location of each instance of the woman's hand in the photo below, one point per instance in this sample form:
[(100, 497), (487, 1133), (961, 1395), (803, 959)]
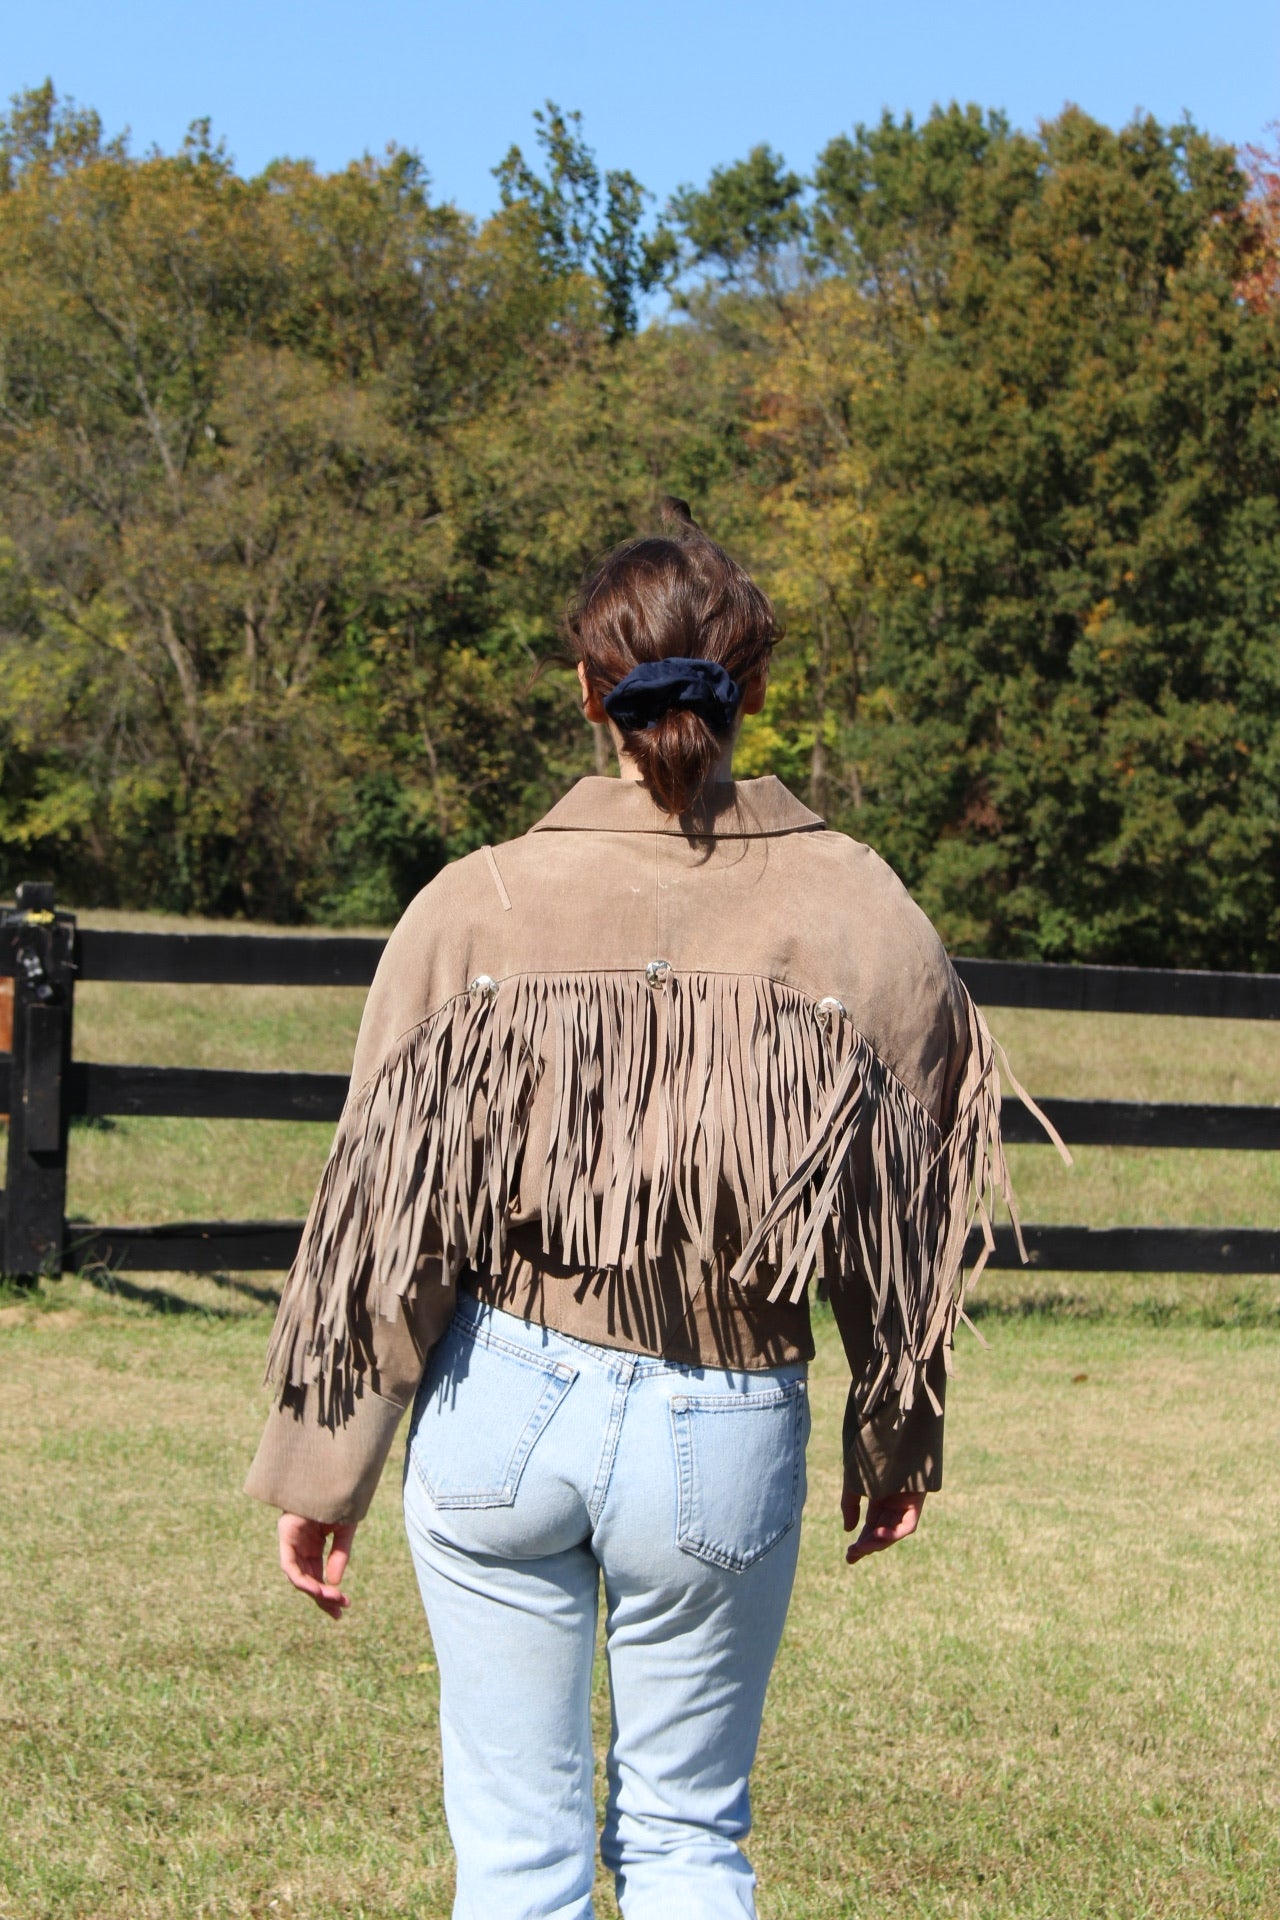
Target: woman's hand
[(302, 1555), (890, 1517)]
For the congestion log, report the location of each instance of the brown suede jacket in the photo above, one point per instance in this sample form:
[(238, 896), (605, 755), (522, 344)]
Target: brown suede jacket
[(641, 1079)]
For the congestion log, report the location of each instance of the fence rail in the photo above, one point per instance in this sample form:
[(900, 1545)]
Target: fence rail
[(229, 959), (97, 1091), (349, 960), (43, 1088), (268, 1246)]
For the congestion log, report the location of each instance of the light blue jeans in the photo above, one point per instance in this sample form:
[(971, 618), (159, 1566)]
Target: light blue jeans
[(535, 1463)]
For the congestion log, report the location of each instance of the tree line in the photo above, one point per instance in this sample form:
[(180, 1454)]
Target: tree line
[(296, 472)]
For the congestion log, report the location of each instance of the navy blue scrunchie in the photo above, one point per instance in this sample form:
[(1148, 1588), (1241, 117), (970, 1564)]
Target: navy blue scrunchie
[(653, 688)]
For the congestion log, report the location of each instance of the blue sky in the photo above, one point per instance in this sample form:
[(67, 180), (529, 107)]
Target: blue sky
[(666, 89)]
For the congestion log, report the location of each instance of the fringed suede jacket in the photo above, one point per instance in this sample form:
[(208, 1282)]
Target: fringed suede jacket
[(641, 1079)]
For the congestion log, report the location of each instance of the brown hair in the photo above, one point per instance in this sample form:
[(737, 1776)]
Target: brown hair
[(664, 595)]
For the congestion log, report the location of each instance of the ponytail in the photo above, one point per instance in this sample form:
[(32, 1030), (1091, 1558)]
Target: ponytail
[(672, 597)]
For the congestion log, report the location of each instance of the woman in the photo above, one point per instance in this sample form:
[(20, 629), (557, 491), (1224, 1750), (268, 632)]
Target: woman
[(622, 1088)]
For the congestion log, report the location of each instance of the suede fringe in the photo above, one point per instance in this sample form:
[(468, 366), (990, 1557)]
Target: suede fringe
[(757, 1090)]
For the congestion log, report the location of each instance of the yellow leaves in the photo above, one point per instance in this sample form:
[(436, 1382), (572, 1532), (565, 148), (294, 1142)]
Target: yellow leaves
[(879, 706), (818, 357), (819, 341), (760, 748), (59, 813)]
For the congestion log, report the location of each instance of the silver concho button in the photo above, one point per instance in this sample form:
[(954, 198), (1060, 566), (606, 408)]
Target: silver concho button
[(658, 972), (483, 987), (829, 1009)]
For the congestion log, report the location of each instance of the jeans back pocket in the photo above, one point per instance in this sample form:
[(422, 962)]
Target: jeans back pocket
[(482, 1406), (739, 1468)]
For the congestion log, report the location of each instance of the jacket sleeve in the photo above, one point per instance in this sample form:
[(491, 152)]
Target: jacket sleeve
[(887, 1452), (321, 1454), (330, 1471)]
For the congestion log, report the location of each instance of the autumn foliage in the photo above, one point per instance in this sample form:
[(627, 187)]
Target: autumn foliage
[(297, 471)]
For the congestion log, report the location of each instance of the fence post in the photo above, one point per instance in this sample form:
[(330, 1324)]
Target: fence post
[(41, 944)]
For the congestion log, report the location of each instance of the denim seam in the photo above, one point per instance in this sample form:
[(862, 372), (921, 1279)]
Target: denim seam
[(734, 1402), (482, 1336), (613, 1433)]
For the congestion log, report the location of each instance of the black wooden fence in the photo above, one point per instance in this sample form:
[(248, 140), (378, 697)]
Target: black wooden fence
[(43, 1087)]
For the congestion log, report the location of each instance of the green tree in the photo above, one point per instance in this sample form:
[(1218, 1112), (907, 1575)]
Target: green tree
[(888, 199), (297, 471), (739, 225), (224, 522), (584, 222), (1077, 487)]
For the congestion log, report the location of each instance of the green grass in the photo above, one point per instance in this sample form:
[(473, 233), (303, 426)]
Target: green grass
[(1061, 1702)]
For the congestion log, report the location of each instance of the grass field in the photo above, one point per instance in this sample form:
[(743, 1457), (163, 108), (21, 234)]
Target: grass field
[(1062, 1701)]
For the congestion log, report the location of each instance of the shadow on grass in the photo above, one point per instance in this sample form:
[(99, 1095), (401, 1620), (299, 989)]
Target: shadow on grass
[(1243, 1310), (162, 1300), (1246, 1311), (1056, 1305)]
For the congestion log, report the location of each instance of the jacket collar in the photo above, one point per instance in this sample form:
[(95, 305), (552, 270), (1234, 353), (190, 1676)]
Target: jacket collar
[(738, 810)]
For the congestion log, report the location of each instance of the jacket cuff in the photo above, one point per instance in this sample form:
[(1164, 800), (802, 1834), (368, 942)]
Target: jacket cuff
[(887, 1454), (324, 1473)]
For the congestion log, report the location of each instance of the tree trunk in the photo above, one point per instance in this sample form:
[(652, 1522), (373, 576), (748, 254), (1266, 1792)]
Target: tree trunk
[(818, 754), (184, 670)]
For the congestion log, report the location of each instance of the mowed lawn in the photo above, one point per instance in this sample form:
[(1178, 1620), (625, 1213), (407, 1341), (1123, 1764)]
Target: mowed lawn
[(1062, 1699)]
